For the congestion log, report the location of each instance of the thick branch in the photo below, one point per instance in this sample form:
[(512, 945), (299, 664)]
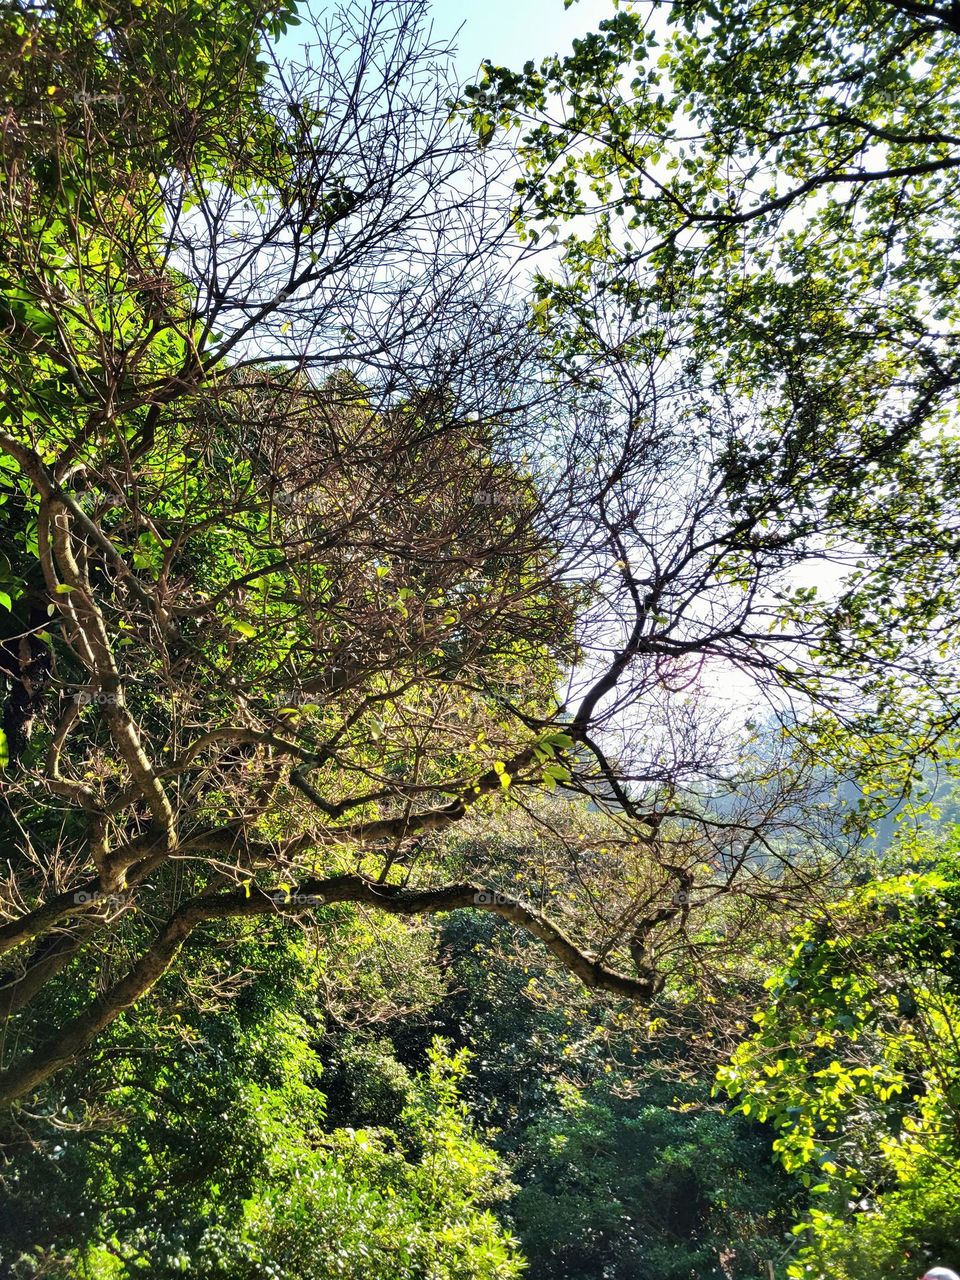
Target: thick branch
[(61, 1049)]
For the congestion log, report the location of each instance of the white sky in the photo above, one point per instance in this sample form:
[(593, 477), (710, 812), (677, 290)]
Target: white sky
[(509, 32)]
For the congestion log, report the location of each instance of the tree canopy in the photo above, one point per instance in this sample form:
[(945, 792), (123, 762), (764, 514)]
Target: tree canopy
[(475, 566)]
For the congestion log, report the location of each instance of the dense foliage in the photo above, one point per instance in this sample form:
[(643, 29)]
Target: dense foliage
[(448, 707), (209, 1156), (854, 1061)]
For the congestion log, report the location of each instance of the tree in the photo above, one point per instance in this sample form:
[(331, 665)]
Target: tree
[(659, 1184), (210, 1156), (772, 189), (624, 1164), (789, 169), (303, 542), (855, 1063)]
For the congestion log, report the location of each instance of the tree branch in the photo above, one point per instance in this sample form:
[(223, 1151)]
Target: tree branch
[(58, 1051)]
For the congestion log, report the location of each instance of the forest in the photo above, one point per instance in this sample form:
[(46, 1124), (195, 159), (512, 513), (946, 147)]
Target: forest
[(479, 625)]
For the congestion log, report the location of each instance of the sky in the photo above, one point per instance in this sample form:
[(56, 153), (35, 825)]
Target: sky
[(508, 32), (511, 31)]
